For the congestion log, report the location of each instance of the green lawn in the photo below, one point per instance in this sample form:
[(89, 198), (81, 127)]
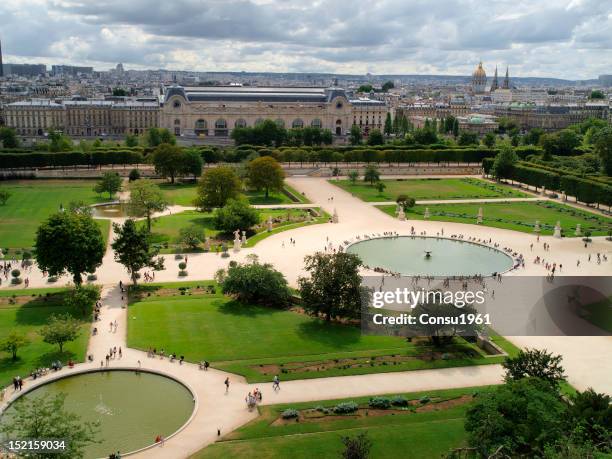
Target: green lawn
[(422, 189), (183, 194), (518, 216), (411, 434), (166, 229), (249, 339), (32, 201), (33, 308)]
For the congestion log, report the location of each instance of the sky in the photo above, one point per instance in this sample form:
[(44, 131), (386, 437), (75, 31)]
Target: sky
[(546, 38)]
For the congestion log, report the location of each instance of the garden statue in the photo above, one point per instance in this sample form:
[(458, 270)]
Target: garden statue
[(269, 224), (244, 240), (578, 231), (236, 240), (557, 232), (335, 216), (543, 193), (536, 228), (426, 215), (479, 218), (401, 214)]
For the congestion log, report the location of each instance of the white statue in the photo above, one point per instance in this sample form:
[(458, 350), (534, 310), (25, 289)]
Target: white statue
[(426, 215), (401, 215), (578, 231), (335, 216), (269, 223), (479, 218), (244, 240), (236, 240), (557, 232)]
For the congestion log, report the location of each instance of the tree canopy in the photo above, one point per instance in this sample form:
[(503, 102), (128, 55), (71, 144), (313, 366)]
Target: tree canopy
[(110, 183), (216, 186), (146, 198), (256, 283), (60, 329), (265, 173), (133, 249)]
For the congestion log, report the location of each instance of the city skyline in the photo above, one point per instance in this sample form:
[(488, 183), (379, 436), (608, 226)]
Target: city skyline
[(568, 40)]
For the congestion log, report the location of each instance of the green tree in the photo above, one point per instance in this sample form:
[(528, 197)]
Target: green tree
[(353, 176), (217, 186), (357, 447), (46, 417), (535, 363), (60, 329), (169, 160), (133, 249), (597, 94), (131, 140), (520, 416), (468, 138), (380, 186), (355, 135), (603, 147), (134, 175), (455, 128), (59, 141), (5, 194), (387, 85), (156, 136), (592, 412), (265, 173), (12, 343), (8, 137), (110, 183), (256, 283), (119, 92), (334, 286), (406, 202), (69, 241), (489, 140), (533, 136), (365, 88), (504, 162), (237, 214), (82, 298), (371, 174), (191, 236), (146, 198), (191, 163), (388, 124), (327, 137), (375, 137)]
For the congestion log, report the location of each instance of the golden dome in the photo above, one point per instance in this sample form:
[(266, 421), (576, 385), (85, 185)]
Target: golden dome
[(479, 72)]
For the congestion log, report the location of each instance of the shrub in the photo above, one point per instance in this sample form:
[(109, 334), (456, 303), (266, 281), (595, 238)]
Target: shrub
[(236, 215), (346, 408), (52, 279), (256, 283), (134, 175), (380, 402), (399, 400), (290, 414), (92, 277), (15, 273), (16, 280), (178, 256), (182, 273), (182, 265), (425, 399)]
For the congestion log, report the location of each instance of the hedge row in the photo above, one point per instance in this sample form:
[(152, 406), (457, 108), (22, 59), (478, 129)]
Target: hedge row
[(585, 190), (64, 159)]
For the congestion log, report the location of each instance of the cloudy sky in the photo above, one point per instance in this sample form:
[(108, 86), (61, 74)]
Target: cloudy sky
[(558, 38)]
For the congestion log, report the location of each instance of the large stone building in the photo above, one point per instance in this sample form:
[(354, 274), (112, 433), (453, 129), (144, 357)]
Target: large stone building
[(82, 118), (217, 110)]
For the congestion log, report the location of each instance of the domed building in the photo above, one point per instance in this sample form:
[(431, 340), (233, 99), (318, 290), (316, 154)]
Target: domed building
[(479, 80)]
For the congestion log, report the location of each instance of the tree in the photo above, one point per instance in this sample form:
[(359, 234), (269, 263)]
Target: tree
[(504, 162), (365, 88), (157, 136), (256, 283), (146, 198), (355, 135), (441, 334), (375, 137), (406, 202), (357, 447), (69, 241), (468, 138), (597, 94), (46, 417), (520, 416), (61, 329), (191, 163), (8, 137), (592, 412), (217, 186), (371, 174), (191, 236), (265, 172), (602, 141), (489, 140), (119, 92), (387, 85), (380, 186), (82, 298), (12, 343), (5, 194), (334, 286), (59, 141), (388, 124), (533, 136), (535, 363), (131, 140), (110, 183), (133, 249), (169, 160), (327, 137), (134, 175), (353, 176), (455, 128), (237, 214)]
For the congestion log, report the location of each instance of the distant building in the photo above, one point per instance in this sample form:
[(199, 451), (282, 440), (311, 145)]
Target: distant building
[(479, 80), (217, 110), (604, 80), (24, 70), (70, 70), (551, 117)]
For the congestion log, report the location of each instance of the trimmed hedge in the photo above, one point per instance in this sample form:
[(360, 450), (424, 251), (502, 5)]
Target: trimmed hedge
[(71, 158)]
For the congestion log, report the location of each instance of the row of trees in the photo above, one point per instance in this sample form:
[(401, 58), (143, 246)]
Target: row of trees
[(271, 133)]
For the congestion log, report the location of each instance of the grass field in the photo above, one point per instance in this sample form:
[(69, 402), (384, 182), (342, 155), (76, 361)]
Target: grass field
[(413, 434), (183, 194), (31, 310), (32, 201), (257, 341), (166, 229), (422, 189), (518, 216)]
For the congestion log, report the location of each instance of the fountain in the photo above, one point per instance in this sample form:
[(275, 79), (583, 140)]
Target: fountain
[(427, 254)]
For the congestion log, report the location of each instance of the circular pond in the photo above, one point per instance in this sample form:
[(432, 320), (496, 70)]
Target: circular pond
[(112, 210), (132, 408), (430, 256)]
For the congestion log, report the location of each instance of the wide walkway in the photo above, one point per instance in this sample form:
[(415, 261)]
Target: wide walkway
[(585, 358)]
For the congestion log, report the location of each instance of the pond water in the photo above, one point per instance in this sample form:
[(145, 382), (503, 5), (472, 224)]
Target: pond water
[(447, 257), (132, 408), (116, 210)]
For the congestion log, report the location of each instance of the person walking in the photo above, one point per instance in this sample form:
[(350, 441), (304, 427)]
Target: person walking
[(276, 383), (227, 383)]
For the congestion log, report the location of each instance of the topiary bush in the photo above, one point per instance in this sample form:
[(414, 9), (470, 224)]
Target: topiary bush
[(15, 273), (178, 256), (425, 399), (16, 280), (182, 273), (399, 400), (290, 414), (52, 279), (92, 277), (346, 408), (381, 403), (182, 265)]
